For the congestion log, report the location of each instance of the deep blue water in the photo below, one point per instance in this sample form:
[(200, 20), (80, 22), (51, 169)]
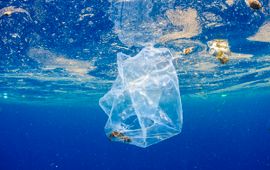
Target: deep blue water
[(218, 133)]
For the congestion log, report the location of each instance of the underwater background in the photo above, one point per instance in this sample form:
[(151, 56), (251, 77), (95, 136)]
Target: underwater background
[(218, 133), (59, 57)]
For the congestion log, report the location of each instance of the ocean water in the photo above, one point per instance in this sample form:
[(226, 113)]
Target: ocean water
[(59, 57), (218, 133)]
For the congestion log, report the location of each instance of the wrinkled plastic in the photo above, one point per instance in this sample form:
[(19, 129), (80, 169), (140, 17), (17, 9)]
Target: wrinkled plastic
[(144, 105)]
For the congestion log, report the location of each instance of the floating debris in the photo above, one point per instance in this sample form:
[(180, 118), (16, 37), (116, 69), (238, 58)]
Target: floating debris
[(254, 4), (8, 11), (188, 50), (82, 16), (220, 49), (230, 2), (222, 58), (120, 136), (87, 12), (185, 51)]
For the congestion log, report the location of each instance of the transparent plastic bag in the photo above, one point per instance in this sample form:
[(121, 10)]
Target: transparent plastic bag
[(144, 105)]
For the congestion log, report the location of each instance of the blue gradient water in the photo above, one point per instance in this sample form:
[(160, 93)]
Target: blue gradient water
[(218, 133), (57, 58)]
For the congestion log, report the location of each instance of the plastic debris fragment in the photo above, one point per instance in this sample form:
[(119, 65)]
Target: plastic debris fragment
[(188, 50), (144, 105), (8, 11), (254, 4), (220, 49)]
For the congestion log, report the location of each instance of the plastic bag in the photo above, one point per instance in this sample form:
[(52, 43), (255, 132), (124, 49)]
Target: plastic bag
[(144, 105)]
